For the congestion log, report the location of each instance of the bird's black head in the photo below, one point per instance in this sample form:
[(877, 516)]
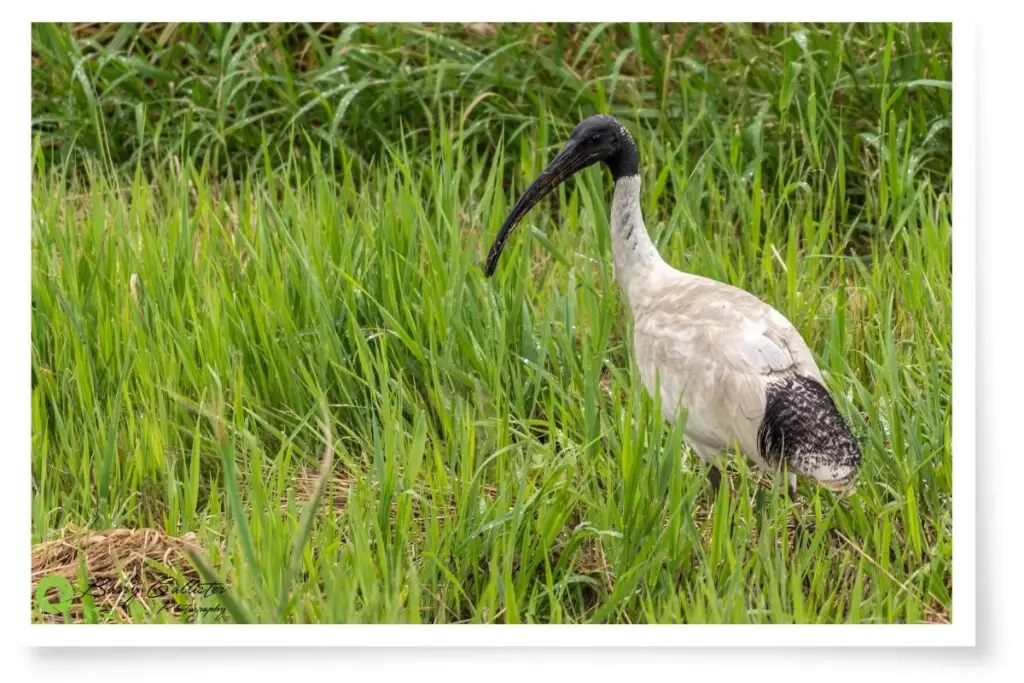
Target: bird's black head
[(599, 138), (602, 138)]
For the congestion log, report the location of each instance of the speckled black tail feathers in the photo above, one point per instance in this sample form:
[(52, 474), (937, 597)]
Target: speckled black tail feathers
[(802, 424)]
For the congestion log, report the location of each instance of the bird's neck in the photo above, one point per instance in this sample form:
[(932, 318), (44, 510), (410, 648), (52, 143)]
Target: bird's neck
[(633, 253)]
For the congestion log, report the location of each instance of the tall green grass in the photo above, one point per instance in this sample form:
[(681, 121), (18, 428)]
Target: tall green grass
[(224, 94), (494, 456)]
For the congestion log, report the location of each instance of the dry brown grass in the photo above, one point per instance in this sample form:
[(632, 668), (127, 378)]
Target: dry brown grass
[(123, 566)]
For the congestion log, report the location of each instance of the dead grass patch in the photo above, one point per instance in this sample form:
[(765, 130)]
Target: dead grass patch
[(123, 566)]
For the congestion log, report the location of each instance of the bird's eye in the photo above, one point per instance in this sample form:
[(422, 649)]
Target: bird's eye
[(596, 137)]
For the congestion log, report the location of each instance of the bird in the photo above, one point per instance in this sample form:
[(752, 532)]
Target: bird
[(740, 371)]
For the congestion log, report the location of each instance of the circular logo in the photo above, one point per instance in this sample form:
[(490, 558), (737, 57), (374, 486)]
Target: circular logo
[(65, 593)]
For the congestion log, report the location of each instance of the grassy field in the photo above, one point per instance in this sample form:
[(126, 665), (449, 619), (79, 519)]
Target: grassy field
[(257, 259)]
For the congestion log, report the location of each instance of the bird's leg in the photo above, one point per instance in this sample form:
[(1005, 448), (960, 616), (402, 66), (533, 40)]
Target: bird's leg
[(715, 477), (798, 527)]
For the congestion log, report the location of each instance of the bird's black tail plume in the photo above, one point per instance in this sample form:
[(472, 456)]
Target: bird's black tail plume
[(803, 427)]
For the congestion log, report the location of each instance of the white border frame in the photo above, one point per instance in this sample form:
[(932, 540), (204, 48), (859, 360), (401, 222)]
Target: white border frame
[(490, 635), (960, 633)]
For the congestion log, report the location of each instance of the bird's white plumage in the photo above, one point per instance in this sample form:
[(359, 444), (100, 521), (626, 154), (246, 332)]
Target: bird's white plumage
[(710, 349)]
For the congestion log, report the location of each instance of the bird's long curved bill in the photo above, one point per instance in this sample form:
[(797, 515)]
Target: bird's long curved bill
[(567, 162)]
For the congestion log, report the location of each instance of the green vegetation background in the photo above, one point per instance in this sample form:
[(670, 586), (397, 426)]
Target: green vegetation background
[(238, 229)]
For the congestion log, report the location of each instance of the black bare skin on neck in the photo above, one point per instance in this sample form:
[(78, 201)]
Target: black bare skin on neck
[(625, 162)]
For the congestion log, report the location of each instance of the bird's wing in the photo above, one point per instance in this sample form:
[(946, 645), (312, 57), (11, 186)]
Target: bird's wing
[(714, 349), (727, 325)]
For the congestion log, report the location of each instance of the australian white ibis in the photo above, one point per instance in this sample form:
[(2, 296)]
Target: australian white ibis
[(738, 368)]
